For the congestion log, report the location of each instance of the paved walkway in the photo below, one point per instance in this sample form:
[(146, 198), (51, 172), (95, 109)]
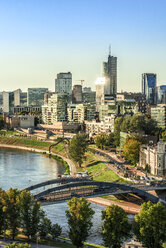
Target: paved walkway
[(4, 243)]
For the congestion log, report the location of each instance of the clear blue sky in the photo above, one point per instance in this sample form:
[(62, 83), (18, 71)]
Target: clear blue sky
[(40, 38)]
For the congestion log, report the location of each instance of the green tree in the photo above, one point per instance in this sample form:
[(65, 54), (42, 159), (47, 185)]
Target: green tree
[(117, 124), (116, 227), (2, 219), (78, 147), (56, 230), (31, 213), (18, 245), (151, 225), (1, 122), (101, 140), (131, 150), (125, 126), (11, 208), (79, 217), (45, 227), (111, 141), (137, 122)]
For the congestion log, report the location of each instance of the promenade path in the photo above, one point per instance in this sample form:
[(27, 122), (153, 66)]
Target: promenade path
[(31, 149)]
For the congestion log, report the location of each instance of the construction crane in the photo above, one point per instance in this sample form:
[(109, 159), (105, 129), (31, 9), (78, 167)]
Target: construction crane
[(81, 81)]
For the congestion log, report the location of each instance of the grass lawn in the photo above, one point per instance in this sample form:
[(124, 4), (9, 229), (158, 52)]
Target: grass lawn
[(27, 142)]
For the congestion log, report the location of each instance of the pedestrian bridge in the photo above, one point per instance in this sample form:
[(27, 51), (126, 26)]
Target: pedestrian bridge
[(65, 188)]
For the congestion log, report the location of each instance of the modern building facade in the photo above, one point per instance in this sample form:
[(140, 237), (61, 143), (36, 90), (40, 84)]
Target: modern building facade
[(148, 87), (63, 83), (56, 109), (77, 94), (158, 114), (36, 96), (110, 74), (161, 94)]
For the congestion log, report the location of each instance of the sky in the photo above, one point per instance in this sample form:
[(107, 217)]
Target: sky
[(40, 38)]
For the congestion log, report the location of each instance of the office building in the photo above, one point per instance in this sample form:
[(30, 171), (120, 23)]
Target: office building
[(89, 97), (100, 92), (148, 87), (110, 74), (161, 94), (47, 95), (63, 83), (56, 109), (36, 96), (158, 114), (77, 94)]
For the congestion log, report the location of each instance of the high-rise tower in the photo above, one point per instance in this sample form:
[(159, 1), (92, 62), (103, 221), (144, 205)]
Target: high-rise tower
[(110, 74), (148, 87)]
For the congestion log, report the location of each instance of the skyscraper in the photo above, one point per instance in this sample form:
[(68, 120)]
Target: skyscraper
[(161, 94), (110, 74), (36, 96), (63, 83), (148, 87)]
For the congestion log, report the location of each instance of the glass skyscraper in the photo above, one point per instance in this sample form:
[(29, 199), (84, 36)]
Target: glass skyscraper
[(161, 94), (148, 87)]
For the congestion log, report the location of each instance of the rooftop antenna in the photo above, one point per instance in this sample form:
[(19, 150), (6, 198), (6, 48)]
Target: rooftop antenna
[(110, 50)]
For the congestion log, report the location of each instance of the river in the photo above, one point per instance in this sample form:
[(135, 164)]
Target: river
[(20, 169)]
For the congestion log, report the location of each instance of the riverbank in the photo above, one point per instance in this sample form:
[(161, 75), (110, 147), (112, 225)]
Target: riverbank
[(31, 149), (127, 206)]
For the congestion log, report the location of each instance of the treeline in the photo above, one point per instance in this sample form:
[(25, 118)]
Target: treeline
[(136, 123), (19, 212)]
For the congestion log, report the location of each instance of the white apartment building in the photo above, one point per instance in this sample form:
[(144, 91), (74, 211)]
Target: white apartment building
[(55, 110), (155, 156), (76, 113), (106, 126)]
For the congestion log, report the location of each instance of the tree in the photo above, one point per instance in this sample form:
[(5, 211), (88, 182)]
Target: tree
[(1, 122), (116, 227), (2, 216), (11, 208), (31, 213), (45, 227), (78, 147), (101, 140), (125, 126), (79, 217), (151, 225), (117, 124), (137, 122), (111, 142), (56, 230), (131, 150), (17, 245)]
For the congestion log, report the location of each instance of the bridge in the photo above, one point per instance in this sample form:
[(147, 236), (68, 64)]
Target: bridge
[(63, 189)]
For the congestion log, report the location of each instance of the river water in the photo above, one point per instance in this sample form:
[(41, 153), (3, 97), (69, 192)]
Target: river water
[(20, 169)]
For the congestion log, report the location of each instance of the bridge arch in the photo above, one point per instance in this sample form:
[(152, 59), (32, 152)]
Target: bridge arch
[(102, 188)]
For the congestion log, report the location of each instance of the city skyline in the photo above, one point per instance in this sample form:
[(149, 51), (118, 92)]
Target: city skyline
[(43, 38)]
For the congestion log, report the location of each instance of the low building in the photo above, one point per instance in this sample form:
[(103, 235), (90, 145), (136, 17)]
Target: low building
[(133, 244), (60, 126), (106, 126), (155, 157), (23, 121)]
